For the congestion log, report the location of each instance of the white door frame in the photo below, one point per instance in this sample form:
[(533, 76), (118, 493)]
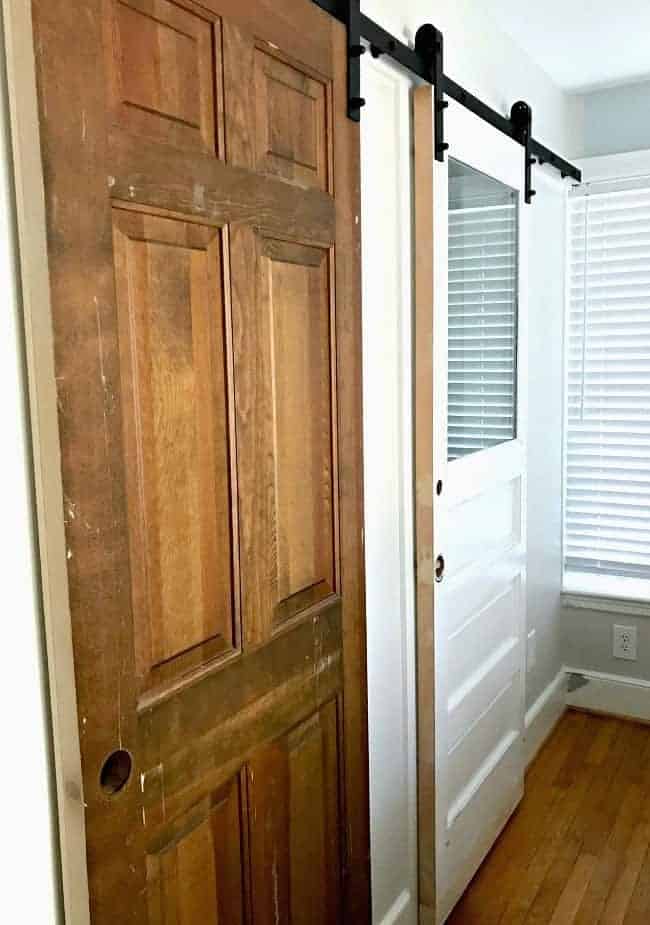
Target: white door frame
[(388, 479), (39, 349)]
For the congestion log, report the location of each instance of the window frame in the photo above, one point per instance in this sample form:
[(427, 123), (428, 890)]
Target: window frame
[(578, 589)]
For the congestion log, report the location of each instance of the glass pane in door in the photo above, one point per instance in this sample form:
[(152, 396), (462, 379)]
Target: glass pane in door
[(483, 269)]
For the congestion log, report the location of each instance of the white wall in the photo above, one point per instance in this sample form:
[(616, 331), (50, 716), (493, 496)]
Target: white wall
[(29, 881), (545, 403), (488, 62), (615, 120)]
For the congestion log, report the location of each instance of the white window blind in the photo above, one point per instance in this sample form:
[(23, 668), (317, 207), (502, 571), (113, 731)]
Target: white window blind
[(482, 312), (607, 484)]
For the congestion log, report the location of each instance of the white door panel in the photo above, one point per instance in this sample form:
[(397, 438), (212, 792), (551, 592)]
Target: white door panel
[(475, 740), (479, 448), (475, 474), (487, 805), (472, 644), (481, 528)]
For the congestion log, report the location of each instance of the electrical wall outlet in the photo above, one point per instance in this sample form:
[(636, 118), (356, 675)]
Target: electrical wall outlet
[(531, 650), (625, 642)]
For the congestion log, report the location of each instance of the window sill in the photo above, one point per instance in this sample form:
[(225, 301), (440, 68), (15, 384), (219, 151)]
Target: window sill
[(583, 601), (599, 592), (602, 592)]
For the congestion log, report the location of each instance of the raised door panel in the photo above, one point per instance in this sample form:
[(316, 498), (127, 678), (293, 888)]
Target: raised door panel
[(295, 835), (164, 68), (173, 324), (283, 317), (297, 300), (197, 877), (278, 118), (291, 124)]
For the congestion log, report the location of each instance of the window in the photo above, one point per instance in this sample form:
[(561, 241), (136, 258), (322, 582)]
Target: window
[(482, 311), (607, 440)]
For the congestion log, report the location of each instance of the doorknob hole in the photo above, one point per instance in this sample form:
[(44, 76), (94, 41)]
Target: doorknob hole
[(440, 567), (116, 772), (439, 487)]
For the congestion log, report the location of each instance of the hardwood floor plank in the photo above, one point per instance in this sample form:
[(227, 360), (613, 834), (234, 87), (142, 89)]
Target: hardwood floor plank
[(550, 838), (567, 907), (619, 899), (577, 850), (592, 815), (638, 910), (633, 802), (611, 859)]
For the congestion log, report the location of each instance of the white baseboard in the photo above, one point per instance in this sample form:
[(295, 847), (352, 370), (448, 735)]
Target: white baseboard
[(402, 911), (544, 714), (613, 694)]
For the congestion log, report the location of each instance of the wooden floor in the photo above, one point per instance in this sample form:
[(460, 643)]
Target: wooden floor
[(578, 848)]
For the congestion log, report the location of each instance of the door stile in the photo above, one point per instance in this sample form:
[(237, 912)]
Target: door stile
[(424, 492), (347, 168)]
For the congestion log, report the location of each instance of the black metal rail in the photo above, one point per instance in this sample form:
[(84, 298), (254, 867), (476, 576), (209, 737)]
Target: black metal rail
[(426, 61)]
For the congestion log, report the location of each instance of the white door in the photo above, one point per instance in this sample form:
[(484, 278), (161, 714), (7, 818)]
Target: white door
[(479, 515)]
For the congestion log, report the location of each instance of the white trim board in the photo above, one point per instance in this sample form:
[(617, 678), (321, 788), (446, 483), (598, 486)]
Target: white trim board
[(400, 912), (543, 715), (388, 474), (615, 695)]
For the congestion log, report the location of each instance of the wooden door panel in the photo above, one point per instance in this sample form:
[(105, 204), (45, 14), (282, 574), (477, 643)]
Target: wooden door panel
[(285, 414), (207, 331), (291, 126), (164, 67), (297, 297), (279, 120), (289, 791), (293, 786), (172, 306), (198, 876)]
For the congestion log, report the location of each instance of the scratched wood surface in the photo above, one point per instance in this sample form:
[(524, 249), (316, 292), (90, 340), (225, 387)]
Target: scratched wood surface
[(423, 141), (577, 851), (202, 201)]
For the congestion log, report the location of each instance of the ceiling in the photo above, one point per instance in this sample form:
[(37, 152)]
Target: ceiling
[(581, 44)]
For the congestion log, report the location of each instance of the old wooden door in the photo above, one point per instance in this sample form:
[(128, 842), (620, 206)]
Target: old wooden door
[(201, 185)]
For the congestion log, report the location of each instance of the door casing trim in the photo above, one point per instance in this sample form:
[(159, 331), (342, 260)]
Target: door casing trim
[(46, 453)]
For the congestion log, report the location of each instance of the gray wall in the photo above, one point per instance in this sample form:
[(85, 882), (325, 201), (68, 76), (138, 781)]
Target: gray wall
[(588, 642), (615, 120)]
